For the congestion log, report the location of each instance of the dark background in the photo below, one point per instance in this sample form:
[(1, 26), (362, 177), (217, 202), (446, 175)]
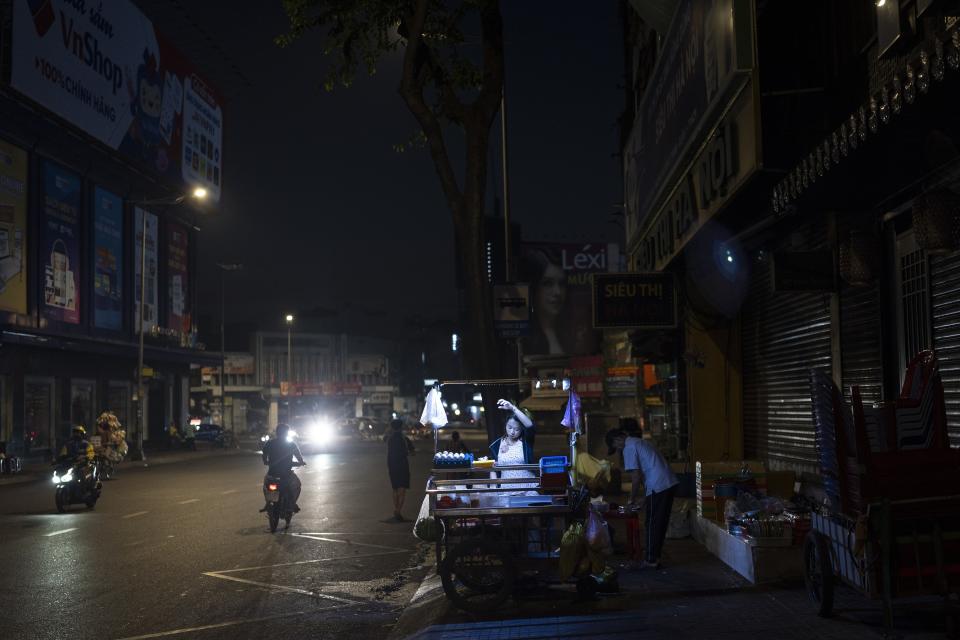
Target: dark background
[(334, 225)]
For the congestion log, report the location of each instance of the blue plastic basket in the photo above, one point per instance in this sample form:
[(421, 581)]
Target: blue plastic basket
[(553, 464)]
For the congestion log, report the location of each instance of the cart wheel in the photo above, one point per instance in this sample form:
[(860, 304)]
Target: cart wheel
[(477, 575), (818, 573)]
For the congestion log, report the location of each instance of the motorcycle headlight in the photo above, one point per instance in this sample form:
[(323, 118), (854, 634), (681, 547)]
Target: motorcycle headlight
[(56, 478), (67, 477)]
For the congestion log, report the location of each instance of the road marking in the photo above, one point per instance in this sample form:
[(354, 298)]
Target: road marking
[(280, 587), (56, 533), (299, 562), (317, 536), (134, 515), (223, 493), (218, 625), (189, 501)]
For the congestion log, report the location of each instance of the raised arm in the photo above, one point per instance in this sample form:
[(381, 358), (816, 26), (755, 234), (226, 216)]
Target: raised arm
[(506, 405)]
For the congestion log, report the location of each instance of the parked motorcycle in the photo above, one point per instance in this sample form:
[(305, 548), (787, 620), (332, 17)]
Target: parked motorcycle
[(277, 501), (76, 484)]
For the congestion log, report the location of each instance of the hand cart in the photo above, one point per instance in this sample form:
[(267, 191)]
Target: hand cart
[(488, 542)]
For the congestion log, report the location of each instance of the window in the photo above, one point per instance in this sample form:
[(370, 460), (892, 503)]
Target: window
[(83, 402), (38, 413), (118, 401), (913, 312)]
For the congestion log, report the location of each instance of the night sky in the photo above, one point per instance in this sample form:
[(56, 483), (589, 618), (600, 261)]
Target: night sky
[(325, 215)]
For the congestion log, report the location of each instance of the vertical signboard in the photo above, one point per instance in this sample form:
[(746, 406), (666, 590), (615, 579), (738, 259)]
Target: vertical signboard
[(178, 315), (13, 228), (60, 244), (150, 300), (107, 260), (103, 67)]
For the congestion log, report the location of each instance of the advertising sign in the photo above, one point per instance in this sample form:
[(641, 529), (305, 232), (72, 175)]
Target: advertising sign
[(622, 381), (511, 309), (634, 301), (107, 260), (728, 159), (13, 228), (178, 299), (559, 280), (150, 300), (60, 244), (103, 67), (586, 375)]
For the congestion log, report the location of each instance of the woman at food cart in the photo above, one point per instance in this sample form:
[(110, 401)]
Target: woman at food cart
[(515, 446)]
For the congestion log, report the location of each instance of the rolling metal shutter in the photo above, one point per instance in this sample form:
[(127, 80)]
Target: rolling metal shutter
[(784, 336), (861, 345), (945, 299)]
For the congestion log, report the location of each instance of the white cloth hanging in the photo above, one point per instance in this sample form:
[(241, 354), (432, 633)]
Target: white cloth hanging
[(433, 412)]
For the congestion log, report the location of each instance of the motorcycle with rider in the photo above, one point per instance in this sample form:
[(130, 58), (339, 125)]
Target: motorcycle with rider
[(281, 486), (75, 473)]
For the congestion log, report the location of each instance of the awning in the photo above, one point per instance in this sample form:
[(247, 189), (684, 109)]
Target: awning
[(106, 347), (544, 403)]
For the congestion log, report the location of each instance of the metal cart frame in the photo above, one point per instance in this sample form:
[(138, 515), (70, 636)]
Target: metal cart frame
[(482, 552)]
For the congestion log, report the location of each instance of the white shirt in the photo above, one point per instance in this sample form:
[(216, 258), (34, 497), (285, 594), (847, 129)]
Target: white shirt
[(642, 455)]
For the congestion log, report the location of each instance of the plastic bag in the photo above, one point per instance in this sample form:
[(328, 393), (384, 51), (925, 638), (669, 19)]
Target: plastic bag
[(425, 527), (573, 550), (597, 533), (433, 411)]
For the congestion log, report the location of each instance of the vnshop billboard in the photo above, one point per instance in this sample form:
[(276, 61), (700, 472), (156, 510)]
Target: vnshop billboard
[(13, 228), (103, 67)]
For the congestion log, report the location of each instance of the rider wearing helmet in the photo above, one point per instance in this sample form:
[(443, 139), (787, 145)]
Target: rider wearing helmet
[(79, 451), (278, 455), (77, 448)]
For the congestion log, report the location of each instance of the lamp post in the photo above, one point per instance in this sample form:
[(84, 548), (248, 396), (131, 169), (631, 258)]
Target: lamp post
[(289, 351), (224, 267), (198, 194)]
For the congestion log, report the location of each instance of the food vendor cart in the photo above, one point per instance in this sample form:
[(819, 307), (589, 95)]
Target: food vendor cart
[(486, 541)]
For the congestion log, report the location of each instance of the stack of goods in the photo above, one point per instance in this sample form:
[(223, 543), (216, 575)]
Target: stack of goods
[(451, 460), (746, 475), (112, 437), (553, 472), (828, 406)]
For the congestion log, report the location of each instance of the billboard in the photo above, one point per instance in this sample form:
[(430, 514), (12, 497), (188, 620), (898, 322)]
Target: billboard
[(60, 244), (104, 68), (511, 309), (150, 300), (178, 300), (13, 228), (634, 301), (107, 260), (560, 295)]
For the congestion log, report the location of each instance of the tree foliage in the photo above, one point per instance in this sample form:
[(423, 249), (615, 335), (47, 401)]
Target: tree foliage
[(449, 78)]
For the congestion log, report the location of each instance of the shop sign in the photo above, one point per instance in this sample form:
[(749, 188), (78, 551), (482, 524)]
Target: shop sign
[(634, 301), (511, 309), (621, 382), (379, 397), (586, 375), (13, 228), (148, 221), (104, 68), (60, 248), (727, 161), (693, 76), (107, 260), (178, 278), (320, 389)]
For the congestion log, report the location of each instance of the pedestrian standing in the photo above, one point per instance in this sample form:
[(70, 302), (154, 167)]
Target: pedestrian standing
[(641, 458), (399, 448)]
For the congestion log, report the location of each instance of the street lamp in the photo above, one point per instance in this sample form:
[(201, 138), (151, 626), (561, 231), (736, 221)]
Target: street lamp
[(198, 194), (224, 267), (289, 351)]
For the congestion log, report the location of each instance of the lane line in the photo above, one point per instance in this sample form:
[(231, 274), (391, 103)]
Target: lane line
[(189, 501), (280, 587), (219, 625), (56, 533), (314, 536), (223, 493), (319, 560), (134, 515)]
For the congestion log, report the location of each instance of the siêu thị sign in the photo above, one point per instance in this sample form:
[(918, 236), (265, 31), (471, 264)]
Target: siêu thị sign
[(634, 301)]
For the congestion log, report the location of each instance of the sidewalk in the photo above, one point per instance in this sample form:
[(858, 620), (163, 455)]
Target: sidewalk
[(36, 471), (694, 595)]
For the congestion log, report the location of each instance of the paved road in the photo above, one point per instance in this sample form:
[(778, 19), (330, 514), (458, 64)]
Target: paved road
[(179, 550)]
